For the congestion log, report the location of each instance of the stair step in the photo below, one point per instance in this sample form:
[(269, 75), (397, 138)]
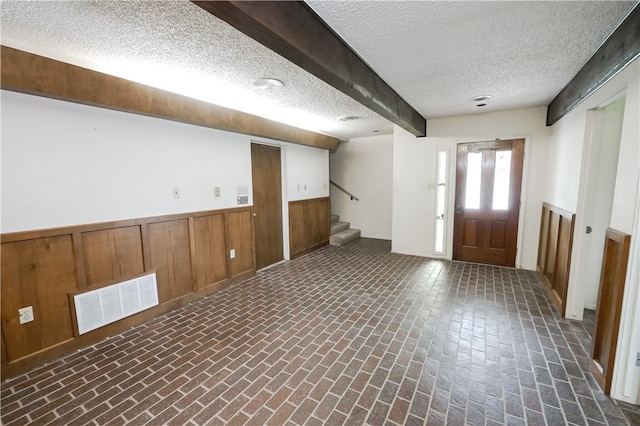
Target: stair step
[(338, 227), (334, 218), (344, 237)]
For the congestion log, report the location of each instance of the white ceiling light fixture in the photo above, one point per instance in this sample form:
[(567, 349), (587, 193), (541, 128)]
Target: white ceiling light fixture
[(480, 100), (268, 83)]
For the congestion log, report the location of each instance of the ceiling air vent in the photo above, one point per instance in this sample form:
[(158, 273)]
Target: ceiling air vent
[(480, 101)]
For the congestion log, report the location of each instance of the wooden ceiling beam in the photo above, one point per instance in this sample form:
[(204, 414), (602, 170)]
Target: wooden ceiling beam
[(36, 75), (619, 50), (295, 32)]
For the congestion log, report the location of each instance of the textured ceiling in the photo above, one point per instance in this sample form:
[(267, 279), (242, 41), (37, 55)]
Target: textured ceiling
[(177, 46), (436, 55)]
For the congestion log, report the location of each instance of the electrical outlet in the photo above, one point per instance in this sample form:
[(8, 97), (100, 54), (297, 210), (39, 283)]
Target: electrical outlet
[(176, 192), (216, 191), (638, 359), (26, 314), (232, 253)]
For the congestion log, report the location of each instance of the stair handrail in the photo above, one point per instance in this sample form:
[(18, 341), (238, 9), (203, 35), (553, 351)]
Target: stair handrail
[(353, 197)]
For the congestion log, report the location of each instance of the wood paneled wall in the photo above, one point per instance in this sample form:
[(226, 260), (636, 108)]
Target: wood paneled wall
[(308, 225), (189, 253), (612, 279), (554, 252)]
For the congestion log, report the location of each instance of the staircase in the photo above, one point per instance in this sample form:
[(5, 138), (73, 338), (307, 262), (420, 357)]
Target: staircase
[(341, 233)]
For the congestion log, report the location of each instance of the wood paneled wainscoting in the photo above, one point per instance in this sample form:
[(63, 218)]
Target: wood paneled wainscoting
[(554, 253), (308, 225), (190, 254), (612, 278)]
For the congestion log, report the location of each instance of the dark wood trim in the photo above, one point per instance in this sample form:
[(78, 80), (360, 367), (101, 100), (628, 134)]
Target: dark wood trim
[(81, 272), (68, 230), (309, 250), (39, 353), (609, 308), (72, 301), (227, 242), (556, 209), (144, 235), (554, 253), (293, 30), (192, 249), (4, 358), (36, 75), (309, 225), (24, 364), (618, 51), (108, 283)]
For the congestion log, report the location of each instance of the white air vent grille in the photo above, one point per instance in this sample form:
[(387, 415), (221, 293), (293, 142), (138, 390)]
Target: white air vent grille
[(103, 306)]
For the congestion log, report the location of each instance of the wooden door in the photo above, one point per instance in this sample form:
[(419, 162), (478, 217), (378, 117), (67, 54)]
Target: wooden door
[(267, 203), (488, 183)]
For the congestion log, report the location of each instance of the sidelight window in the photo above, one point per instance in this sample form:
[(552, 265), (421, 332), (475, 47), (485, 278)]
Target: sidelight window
[(441, 191)]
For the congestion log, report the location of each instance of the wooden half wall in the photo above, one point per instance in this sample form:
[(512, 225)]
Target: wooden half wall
[(554, 253), (609, 309), (308, 226), (188, 252)]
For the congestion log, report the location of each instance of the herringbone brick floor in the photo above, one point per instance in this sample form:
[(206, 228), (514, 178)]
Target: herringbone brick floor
[(348, 335)]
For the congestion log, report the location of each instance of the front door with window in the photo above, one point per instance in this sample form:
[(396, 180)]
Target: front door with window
[(488, 183)]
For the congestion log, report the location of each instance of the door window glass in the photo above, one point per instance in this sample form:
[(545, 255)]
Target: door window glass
[(501, 180), (474, 170)]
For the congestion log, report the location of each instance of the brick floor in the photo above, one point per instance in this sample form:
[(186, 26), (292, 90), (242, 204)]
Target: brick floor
[(348, 335)]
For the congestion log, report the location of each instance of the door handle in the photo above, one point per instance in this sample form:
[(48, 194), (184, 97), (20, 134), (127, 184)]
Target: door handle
[(458, 209)]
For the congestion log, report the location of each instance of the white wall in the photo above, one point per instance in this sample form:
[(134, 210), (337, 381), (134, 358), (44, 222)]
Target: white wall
[(67, 164), (307, 171), (603, 162), (414, 170), (568, 184), (567, 143), (625, 384), (622, 216), (414, 200), (363, 166), (626, 376)]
